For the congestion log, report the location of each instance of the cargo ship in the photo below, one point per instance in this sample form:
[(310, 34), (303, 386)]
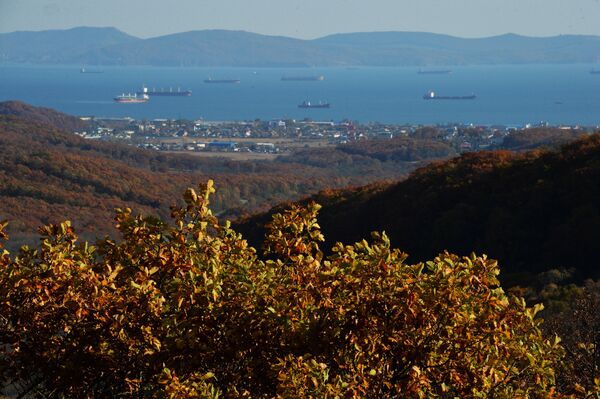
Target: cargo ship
[(170, 92), (303, 78), (308, 104), (87, 70), (431, 95), (133, 98), (211, 80), (434, 71)]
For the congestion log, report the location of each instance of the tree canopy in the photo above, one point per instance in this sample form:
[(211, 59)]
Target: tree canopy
[(533, 211), (189, 310)]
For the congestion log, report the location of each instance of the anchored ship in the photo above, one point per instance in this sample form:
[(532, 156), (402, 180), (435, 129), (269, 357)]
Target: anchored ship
[(303, 78), (308, 104), (434, 71), (431, 95), (211, 80), (162, 92), (133, 98), (87, 70)]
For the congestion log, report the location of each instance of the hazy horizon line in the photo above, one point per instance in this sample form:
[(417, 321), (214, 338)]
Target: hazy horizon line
[(297, 38)]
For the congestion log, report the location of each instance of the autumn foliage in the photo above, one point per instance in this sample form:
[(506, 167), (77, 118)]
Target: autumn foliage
[(189, 310), (47, 173), (532, 211)]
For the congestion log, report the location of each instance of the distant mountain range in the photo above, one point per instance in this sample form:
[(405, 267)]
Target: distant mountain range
[(109, 46)]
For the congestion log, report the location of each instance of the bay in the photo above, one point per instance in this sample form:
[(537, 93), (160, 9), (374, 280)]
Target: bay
[(511, 95)]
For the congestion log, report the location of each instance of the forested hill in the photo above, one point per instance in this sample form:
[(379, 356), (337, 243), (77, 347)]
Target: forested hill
[(109, 46), (532, 211), (42, 115), (48, 174)]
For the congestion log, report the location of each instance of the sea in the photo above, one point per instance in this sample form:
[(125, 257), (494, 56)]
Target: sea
[(509, 95)]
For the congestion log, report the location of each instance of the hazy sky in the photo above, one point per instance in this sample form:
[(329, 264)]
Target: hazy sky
[(309, 18)]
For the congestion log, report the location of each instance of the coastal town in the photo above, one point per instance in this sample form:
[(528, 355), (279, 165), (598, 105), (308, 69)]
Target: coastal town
[(260, 138)]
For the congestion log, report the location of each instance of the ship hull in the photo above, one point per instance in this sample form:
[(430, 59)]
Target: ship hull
[(129, 101), (222, 81), (436, 72), (303, 78), (450, 98), (314, 106), (168, 93), (85, 70), (433, 96)]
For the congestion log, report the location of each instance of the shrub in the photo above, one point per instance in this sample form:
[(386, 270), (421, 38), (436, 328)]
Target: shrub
[(189, 310)]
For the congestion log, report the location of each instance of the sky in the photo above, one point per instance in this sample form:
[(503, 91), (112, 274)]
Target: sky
[(309, 19)]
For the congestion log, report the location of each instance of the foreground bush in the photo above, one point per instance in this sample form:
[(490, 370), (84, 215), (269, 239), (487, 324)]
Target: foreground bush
[(189, 311)]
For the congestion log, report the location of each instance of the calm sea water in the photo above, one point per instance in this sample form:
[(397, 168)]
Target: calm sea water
[(510, 95)]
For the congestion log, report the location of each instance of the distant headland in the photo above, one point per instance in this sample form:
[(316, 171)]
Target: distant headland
[(110, 46)]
